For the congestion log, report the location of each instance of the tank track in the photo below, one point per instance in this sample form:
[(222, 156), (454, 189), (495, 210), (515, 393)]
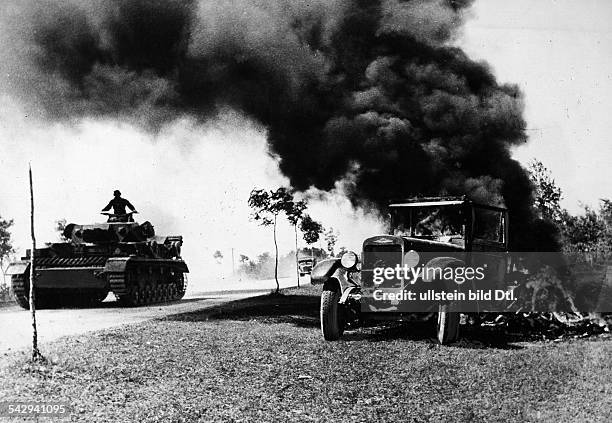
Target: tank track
[(53, 298), (143, 284), (20, 290)]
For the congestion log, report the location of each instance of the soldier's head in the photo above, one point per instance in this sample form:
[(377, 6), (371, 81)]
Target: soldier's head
[(117, 193)]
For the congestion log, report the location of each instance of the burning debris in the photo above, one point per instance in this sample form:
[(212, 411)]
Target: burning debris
[(548, 326), (373, 92)]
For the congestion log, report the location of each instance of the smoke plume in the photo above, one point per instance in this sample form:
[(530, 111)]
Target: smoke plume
[(368, 93)]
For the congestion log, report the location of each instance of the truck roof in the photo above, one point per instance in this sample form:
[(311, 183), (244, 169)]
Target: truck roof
[(440, 201)]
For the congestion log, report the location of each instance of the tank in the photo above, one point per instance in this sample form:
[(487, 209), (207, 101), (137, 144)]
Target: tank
[(125, 258)]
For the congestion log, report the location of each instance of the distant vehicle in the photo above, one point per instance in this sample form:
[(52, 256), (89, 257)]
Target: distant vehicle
[(305, 265), (430, 229), (121, 256)]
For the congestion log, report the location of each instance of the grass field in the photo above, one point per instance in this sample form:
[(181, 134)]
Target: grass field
[(263, 359)]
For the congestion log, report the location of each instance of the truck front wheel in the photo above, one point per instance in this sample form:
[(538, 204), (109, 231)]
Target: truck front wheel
[(332, 324)]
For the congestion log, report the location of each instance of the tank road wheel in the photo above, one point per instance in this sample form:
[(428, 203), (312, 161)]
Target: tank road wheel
[(171, 293), (147, 295), (136, 295), (133, 295), (332, 324), (447, 324), (141, 296), (180, 285), (21, 290)]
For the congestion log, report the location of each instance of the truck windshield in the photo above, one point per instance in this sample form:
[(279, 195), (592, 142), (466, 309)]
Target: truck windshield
[(428, 222)]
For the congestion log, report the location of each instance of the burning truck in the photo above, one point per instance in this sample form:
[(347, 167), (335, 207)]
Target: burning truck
[(430, 237), (126, 258)]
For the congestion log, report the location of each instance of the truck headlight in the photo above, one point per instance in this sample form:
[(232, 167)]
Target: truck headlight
[(349, 260)]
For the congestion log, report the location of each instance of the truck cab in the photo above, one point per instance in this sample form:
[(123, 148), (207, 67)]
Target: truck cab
[(426, 235)]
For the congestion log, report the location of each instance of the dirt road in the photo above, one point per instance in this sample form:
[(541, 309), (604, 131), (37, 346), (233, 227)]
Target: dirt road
[(15, 323)]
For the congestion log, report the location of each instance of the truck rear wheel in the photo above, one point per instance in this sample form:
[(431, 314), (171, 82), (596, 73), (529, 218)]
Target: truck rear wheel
[(447, 324), (332, 324)]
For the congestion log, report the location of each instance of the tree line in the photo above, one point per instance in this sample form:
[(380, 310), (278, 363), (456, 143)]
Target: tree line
[(589, 231)]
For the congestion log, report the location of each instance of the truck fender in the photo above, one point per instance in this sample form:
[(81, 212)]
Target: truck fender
[(348, 292), (340, 281), (324, 270), (18, 268)]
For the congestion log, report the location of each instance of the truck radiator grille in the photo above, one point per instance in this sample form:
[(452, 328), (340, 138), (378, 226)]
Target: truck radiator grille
[(382, 255)]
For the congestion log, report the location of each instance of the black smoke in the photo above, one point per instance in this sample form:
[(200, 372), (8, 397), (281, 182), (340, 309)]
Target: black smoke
[(369, 93)]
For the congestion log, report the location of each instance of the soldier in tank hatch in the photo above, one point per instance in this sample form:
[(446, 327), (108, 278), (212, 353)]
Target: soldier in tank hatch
[(119, 204)]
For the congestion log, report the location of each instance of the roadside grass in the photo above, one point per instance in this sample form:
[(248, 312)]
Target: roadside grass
[(263, 359)]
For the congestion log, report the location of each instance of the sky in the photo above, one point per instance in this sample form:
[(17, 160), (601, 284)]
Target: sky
[(559, 53), (191, 180), (194, 180)]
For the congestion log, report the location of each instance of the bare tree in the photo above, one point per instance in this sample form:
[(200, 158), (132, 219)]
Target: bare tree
[(36, 355), (267, 205)]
